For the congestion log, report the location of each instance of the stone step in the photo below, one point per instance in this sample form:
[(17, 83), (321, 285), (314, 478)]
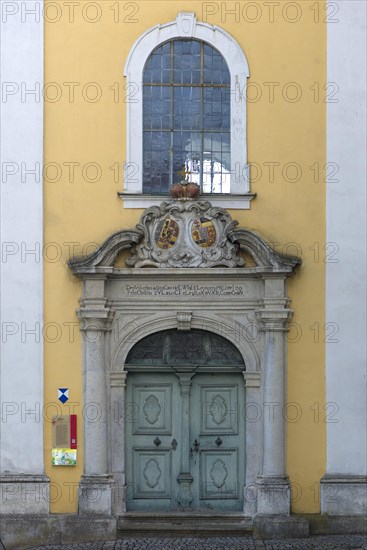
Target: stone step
[(188, 524)]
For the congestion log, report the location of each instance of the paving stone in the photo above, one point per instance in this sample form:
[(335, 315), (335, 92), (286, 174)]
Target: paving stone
[(331, 542)]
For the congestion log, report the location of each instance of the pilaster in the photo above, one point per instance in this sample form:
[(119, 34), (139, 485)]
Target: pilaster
[(273, 489), (252, 418), (96, 485), (117, 440), (185, 478)]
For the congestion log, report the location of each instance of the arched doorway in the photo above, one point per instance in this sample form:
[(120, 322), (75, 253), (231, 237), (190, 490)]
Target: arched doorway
[(185, 430)]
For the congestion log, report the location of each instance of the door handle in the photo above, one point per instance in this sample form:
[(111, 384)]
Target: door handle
[(195, 448)]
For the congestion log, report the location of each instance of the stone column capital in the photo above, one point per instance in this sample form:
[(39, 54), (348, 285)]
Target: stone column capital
[(118, 379), (274, 319), (252, 379), (95, 317)]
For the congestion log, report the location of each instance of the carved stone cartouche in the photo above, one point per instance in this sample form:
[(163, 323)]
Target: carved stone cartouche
[(186, 234)]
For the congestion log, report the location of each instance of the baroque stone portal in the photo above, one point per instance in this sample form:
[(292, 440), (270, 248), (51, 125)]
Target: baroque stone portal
[(212, 276)]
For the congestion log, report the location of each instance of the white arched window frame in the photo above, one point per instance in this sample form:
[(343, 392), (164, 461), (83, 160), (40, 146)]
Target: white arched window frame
[(186, 26)]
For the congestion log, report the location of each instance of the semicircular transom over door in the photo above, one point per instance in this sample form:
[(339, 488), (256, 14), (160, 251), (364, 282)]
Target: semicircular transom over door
[(185, 441)]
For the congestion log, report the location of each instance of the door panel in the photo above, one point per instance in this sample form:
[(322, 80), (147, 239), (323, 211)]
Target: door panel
[(152, 473), (154, 408), (218, 467), (152, 463), (218, 474), (218, 409), (155, 437)]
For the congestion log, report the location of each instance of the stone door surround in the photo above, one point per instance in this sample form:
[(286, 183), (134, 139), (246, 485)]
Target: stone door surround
[(247, 305)]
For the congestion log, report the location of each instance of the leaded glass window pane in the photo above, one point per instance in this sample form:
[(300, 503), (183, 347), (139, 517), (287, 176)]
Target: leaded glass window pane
[(186, 117), (194, 347)]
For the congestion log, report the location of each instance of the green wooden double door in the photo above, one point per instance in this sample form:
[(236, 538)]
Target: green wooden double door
[(185, 441)]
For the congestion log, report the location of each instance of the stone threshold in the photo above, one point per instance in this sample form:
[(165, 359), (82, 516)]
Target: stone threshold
[(24, 531), (183, 524)]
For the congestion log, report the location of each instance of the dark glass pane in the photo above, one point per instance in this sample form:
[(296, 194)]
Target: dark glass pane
[(166, 61), (157, 76), (147, 120), (166, 122), (177, 45), (223, 352), (195, 76), (215, 68), (156, 61), (184, 112), (216, 109), (187, 347), (149, 350), (148, 64), (177, 76), (166, 48), (166, 76), (147, 92), (226, 142), (187, 108), (156, 162), (186, 62), (196, 347), (147, 76), (226, 162)]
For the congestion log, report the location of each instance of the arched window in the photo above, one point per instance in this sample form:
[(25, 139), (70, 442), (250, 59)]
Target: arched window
[(186, 117), (186, 112)]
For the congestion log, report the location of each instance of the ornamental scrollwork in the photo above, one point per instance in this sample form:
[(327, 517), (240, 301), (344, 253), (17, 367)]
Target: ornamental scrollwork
[(185, 234)]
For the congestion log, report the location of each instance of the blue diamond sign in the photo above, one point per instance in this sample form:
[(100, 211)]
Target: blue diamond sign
[(63, 394)]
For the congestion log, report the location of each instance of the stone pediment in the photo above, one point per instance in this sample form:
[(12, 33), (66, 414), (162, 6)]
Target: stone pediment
[(185, 234)]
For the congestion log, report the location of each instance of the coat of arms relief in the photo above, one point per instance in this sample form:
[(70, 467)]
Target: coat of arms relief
[(186, 233)]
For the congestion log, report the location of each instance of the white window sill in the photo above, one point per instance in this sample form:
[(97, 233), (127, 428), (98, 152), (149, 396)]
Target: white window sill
[(237, 202)]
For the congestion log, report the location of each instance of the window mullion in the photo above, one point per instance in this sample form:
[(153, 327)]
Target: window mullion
[(171, 117), (201, 182)]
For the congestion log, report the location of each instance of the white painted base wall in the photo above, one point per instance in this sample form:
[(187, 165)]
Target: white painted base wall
[(346, 226), (21, 231)]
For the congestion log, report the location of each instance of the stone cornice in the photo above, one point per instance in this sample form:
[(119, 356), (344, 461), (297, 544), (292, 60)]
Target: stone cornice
[(344, 478), (262, 253), (9, 477), (106, 254)]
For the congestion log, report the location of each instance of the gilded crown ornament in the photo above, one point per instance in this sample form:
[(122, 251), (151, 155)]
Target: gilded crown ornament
[(185, 190)]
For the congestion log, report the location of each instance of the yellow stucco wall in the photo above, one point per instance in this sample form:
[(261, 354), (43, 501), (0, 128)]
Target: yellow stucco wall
[(280, 130)]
